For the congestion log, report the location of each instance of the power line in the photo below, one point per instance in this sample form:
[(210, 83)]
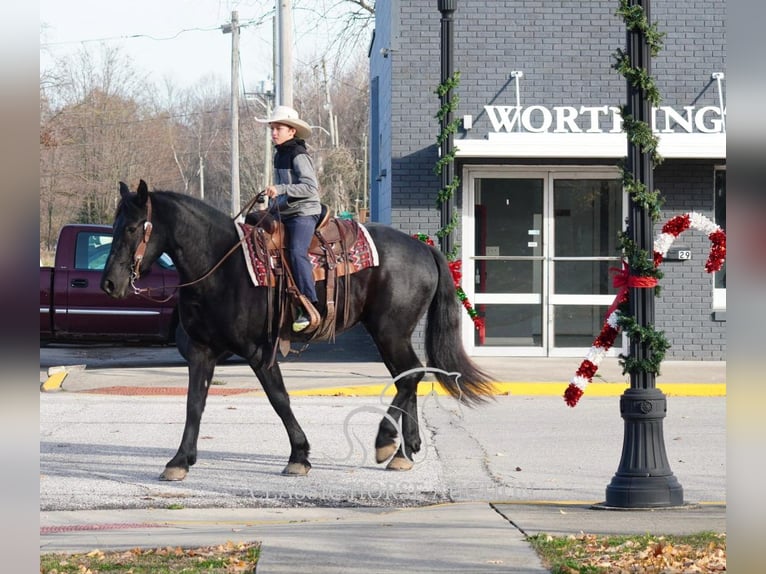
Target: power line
[(129, 37), (252, 21)]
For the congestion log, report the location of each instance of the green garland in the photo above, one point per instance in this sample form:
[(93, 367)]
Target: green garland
[(447, 192), (640, 134)]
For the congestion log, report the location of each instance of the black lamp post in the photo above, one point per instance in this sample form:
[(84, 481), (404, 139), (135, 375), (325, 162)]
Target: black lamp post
[(643, 478), (447, 8)]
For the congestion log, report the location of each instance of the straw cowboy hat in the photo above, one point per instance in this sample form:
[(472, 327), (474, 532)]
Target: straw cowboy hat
[(289, 117)]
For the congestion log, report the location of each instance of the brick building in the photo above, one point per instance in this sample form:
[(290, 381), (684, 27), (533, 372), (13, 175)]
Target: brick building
[(538, 152)]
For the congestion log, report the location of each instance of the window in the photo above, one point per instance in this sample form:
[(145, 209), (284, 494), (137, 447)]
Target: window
[(719, 285), (92, 251)]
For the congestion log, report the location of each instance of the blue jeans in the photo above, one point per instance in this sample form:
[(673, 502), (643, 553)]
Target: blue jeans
[(300, 231)]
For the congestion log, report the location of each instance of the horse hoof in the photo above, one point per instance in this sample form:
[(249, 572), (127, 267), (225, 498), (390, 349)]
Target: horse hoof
[(400, 463), (296, 469), (173, 473), (383, 453)]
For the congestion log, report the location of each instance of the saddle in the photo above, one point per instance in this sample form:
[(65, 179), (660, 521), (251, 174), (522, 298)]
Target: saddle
[(338, 249)]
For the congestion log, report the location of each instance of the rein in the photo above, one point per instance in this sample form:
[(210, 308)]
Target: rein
[(138, 256)]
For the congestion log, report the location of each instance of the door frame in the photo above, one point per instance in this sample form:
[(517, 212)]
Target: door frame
[(470, 173)]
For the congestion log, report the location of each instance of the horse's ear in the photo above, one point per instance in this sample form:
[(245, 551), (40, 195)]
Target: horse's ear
[(143, 192), (124, 190)]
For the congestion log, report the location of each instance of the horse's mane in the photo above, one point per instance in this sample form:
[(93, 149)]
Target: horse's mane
[(196, 207), (192, 203)]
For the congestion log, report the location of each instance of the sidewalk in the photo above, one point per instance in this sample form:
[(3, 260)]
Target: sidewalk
[(459, 537), (469, 534)]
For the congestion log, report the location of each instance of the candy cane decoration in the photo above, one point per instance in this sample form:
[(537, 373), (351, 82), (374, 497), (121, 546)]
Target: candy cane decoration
[(662, 243)]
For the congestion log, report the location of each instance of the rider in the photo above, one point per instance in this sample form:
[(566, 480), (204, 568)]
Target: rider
[(296, 193)]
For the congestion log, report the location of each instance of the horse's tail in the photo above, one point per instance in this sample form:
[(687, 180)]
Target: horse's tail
[(444, 347)]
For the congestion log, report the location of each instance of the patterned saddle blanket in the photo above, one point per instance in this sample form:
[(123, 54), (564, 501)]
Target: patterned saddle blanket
[(339, 245)]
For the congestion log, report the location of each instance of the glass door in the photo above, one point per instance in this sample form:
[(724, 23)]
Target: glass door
[(586, 218), (508, 263), (538, 244)]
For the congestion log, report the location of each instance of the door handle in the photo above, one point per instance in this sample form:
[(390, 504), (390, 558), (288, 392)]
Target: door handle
[(79, 283)]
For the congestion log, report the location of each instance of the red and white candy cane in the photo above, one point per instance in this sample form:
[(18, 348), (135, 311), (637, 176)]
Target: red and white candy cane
[(624, 281)]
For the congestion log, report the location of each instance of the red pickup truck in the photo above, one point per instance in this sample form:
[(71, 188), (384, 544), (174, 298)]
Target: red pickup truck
[(74, 309)]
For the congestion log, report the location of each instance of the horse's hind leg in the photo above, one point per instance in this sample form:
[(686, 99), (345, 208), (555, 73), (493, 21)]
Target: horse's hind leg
[(410, 439), (201, 367), (274, 386), (400, 357)]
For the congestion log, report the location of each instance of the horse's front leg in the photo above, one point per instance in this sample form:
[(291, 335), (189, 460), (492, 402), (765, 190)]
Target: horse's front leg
[(274, 386), (201, 367)]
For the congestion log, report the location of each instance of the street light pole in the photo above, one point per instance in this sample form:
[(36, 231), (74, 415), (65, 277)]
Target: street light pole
[(447, 9), (644, 478)]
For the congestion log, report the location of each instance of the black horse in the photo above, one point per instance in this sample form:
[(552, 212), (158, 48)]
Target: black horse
[(224, 313)]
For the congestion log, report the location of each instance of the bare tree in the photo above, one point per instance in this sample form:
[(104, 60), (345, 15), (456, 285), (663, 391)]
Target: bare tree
[(339, 161), (101, 121), (95, 130), (196, 127), (345, 26)]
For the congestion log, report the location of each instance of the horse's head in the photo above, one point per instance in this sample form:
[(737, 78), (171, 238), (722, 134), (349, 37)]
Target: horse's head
[(133, 250)]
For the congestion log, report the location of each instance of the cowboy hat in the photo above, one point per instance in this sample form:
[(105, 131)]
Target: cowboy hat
[(289, 117)]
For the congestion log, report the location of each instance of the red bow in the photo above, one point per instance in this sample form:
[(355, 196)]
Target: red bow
[(624, 281)]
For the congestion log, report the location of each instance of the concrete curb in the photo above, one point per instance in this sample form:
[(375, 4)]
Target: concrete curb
[(56, 383), (56, 376)]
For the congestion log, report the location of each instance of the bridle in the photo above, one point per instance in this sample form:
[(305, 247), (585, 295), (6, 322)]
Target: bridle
[(138, 255)]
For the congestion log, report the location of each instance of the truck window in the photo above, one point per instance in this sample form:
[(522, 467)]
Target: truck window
[(92, 250), (166, 262)]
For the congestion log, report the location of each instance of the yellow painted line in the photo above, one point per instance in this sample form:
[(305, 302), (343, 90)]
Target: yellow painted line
[(54, 381), (520, 389)]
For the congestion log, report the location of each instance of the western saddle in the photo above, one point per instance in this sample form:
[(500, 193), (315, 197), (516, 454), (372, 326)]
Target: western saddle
[(329, 253)]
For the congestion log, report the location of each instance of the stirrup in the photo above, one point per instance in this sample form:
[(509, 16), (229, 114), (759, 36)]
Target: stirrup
[(301, 322)]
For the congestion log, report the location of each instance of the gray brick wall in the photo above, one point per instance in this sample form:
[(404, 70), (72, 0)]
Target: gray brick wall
[(684, 308), (565, 50), (416, 75)]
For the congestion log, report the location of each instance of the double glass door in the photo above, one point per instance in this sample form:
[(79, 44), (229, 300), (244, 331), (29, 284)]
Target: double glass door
[(539, 244)]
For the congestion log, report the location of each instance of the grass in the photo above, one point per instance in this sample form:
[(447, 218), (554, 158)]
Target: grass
[(229, 558), (704, 552)]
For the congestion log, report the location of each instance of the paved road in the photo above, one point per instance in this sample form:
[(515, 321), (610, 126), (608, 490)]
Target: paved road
[(484, 480), (105, 451)]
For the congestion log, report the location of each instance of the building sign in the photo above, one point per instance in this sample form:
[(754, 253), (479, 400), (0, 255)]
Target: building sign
[(601, 119)]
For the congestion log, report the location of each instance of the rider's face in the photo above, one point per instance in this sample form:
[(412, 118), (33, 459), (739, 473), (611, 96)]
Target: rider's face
[(280, 133)]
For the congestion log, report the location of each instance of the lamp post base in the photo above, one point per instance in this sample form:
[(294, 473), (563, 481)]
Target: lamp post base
[(644, 478), (644, 492)]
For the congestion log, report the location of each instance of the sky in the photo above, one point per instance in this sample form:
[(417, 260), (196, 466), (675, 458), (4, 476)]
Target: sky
[(179, 40)]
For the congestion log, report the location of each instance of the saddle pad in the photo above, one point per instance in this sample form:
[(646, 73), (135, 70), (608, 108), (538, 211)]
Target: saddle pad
[(361, 255)]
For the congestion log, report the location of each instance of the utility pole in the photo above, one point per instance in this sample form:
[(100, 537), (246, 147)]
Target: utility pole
[(267, 151), (201, 176), (364, 172), (284, 77), (265, 97), (234, 29), (328, 106)]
